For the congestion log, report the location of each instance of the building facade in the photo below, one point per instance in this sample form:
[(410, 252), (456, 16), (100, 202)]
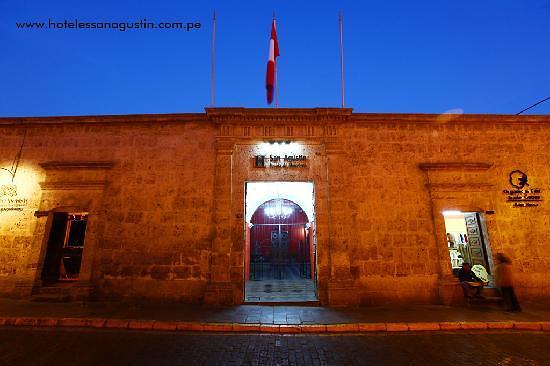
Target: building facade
[(169, 207)]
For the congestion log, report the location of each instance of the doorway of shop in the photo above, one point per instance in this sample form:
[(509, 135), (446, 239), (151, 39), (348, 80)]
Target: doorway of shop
[(468, 241), (280, 242)]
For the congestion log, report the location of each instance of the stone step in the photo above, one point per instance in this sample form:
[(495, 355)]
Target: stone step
[(51, 298), (56, 290)]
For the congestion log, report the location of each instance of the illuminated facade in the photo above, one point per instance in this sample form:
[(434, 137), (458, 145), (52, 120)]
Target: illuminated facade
[(234, 205)]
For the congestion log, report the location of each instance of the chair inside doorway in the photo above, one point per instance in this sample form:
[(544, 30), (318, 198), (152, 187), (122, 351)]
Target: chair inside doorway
[(281, 252)]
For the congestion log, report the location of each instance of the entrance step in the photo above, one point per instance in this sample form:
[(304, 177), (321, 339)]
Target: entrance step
[(284, 303), (491, 296), (50, 298), (280, 291), (57, 293)]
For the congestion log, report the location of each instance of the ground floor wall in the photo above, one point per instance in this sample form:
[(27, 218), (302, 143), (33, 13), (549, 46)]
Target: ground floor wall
[(163, 227)]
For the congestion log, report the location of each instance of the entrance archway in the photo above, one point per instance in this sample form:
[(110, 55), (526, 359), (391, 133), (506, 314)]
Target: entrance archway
[(280, 250)]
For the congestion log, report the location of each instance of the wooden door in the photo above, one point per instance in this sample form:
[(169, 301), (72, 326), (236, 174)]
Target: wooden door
[(54, 249), (475, 240)]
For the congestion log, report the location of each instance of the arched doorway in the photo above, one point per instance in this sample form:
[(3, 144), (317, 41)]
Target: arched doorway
[(280, 253)]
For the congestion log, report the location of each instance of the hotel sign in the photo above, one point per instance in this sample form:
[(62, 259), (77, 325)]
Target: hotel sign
[(9, 200), (520, 195), (280, 161)]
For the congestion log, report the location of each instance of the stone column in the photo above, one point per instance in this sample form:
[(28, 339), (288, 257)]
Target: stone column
[(341, 286), (219, 289)]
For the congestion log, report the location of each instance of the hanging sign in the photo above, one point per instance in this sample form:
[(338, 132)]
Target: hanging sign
[(522, 194)]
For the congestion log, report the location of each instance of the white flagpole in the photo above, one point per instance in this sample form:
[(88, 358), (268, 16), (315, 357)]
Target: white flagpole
[(212, 85), (276, 87), (342, 59)]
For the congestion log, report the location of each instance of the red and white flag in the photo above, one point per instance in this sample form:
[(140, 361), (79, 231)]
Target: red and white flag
[(273, 54)]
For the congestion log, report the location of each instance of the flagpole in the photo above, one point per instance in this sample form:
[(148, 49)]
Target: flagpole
[(212, 85), (341, 58), (276, 77), (276, 87)]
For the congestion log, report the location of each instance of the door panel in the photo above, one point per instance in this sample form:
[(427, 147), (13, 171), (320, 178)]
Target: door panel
[(54, 249), (475, 239)]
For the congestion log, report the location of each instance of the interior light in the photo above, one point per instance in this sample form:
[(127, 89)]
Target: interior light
[(451, 213), (278, 210)]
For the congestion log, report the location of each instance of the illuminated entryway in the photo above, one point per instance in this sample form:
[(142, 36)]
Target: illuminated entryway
[(280, 242), (467, 239)]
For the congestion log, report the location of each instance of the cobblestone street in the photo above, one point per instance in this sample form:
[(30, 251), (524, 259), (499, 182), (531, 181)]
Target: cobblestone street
[(20, 346)]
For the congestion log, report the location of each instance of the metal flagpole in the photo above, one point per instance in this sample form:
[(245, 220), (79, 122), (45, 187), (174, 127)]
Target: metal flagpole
[(212, 85), (276, 87), (341, 59)]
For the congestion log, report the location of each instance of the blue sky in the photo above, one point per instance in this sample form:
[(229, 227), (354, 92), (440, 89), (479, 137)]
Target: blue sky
[(490, 56)]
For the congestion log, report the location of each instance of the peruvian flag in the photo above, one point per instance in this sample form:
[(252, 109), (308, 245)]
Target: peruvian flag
[(273, 54)]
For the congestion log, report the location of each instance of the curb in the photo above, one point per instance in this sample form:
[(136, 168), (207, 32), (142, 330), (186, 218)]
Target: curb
[(155, 325)]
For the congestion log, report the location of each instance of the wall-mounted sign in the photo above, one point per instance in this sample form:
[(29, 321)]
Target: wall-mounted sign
[(280, 161), (9, 200), (523, 195)]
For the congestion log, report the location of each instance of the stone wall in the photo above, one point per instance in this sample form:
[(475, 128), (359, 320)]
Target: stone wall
[(166, 199), (150, 226)]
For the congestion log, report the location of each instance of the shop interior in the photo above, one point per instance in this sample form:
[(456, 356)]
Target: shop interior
[(467, 240)]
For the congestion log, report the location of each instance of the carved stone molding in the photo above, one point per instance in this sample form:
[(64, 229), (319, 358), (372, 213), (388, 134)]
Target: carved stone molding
[(279, 115), (80, 185), (92, 175), (454, 166), (461, 187), (52, 165)]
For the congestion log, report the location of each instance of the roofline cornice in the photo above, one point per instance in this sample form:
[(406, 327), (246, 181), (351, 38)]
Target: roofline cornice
[(281, 116)]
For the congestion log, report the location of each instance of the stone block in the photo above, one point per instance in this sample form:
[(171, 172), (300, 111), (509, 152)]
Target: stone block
[(269, 328), (289, 329), (427, 326), (473, 325), (72, 322), (26, 322), (116, 323), (313, 328), (528, 325), (190, 327), (48, 322), (141, 324), (450, 326), (342, 328), (217, 327), (240, 327), (397, 327), (500, 325), (162, 325), (372, 327), (96, 323)]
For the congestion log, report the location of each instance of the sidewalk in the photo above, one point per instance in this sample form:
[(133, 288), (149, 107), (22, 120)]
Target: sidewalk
[(271, 319)]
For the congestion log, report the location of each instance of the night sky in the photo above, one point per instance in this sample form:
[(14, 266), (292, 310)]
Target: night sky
[(490, 56)]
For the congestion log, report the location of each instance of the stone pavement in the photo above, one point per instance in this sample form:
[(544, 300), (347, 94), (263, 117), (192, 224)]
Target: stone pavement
[(271, 318), (55, 346)]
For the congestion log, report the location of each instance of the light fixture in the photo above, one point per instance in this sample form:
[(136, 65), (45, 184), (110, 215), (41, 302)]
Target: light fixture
[(451, 213), (278, 210)]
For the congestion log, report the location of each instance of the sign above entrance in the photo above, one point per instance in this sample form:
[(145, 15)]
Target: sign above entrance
[(280, 154), (521, 196), (277, 161)]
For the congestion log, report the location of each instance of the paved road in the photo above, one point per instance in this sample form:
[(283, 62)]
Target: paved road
[(26, 346)]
